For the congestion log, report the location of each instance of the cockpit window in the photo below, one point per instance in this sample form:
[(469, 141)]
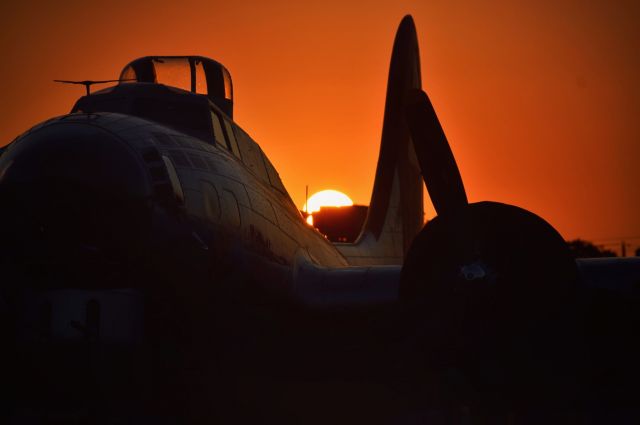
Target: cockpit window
[(217, 130), (196, 74), (233, 144), (201, 77), (228, 88), (128, 75), (174, 72)]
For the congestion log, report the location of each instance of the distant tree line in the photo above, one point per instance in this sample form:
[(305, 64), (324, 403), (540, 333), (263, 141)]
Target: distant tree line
[(343, 224), (586, 249)]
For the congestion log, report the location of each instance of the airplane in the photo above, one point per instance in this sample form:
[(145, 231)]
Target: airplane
[(155, 270)]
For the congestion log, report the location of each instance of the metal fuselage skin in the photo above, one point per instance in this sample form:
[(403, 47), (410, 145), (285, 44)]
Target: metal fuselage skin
[(195, 299)]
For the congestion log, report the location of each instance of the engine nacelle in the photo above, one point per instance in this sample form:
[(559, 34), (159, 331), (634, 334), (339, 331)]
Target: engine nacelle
[(493, 288)]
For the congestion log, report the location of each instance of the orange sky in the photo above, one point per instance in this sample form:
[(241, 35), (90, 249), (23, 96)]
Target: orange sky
[(540, 102)]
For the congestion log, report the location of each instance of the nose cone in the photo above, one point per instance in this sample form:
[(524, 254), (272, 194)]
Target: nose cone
[(73, 188)]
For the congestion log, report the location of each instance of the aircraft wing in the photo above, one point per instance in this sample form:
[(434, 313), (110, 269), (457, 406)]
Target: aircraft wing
[(324, 287)]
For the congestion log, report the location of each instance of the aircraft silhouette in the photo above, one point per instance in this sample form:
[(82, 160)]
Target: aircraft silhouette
[(155, 270)]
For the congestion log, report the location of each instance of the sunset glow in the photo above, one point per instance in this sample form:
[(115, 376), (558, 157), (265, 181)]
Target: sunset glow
[(326, 198), (539, 100)]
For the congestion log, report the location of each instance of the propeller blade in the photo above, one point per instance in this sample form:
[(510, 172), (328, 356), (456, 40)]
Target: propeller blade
[(398, 173), (439, 168)]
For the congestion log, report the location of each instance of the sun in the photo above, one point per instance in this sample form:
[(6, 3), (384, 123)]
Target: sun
[(326, 198)]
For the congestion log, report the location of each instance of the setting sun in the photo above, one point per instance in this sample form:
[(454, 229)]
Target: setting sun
[(326, 198)]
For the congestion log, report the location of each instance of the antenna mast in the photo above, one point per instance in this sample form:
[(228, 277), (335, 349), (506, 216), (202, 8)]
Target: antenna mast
[(88, 83)]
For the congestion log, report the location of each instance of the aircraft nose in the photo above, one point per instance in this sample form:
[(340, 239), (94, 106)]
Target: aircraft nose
[(68, 188)]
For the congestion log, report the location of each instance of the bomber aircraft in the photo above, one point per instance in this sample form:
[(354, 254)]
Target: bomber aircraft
[(154, 270)]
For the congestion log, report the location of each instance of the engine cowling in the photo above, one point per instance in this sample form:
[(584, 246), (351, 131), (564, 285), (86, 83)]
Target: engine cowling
[(492, 288)]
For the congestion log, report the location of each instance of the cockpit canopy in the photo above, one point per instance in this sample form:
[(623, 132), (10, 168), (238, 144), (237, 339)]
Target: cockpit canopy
[(196, 74)]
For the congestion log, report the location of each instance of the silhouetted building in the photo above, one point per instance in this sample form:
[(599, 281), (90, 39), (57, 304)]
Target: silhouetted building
[(340, 224)]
